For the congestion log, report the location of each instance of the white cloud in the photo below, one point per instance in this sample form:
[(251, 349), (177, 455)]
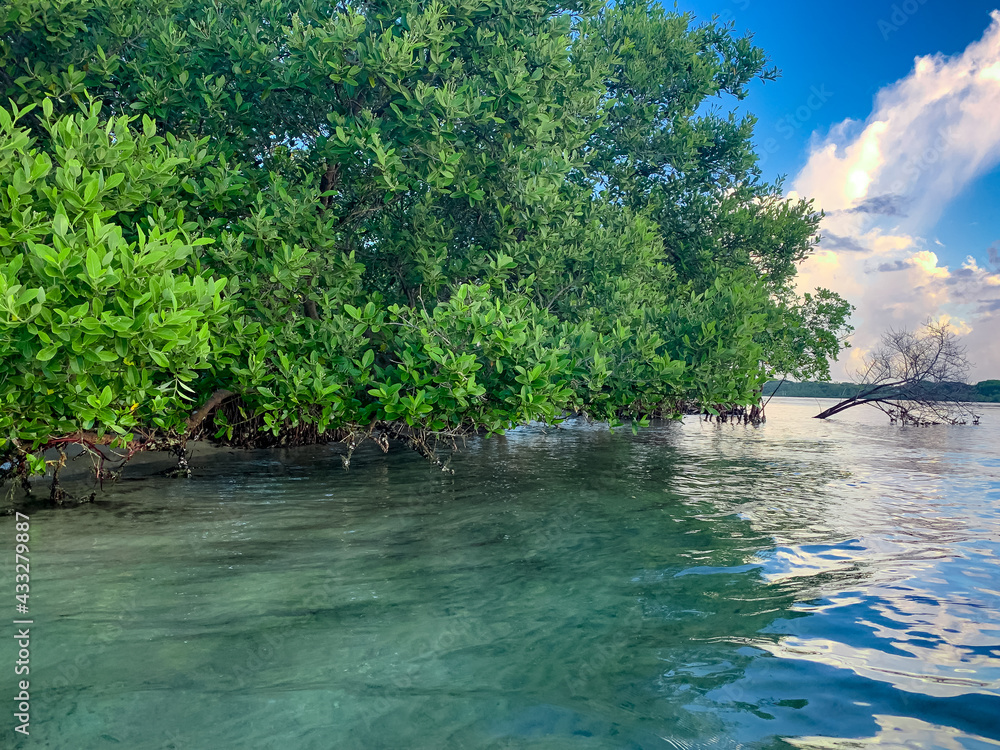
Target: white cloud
[(884, 184)]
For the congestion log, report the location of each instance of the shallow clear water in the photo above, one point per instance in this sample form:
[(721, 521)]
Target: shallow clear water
[(812, 584)]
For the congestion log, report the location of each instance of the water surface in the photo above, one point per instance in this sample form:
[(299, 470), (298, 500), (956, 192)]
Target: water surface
[(810, 584)]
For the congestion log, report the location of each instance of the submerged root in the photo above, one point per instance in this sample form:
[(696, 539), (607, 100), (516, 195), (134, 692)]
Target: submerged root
[(226, 421), (56, 493), (422, 442), (230, 424), (183, 468), (753, 416)]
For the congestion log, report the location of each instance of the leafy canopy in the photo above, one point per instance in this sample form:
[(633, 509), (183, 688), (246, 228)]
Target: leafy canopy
[(430, 216)]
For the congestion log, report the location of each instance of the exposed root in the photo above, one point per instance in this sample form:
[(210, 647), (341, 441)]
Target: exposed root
[(56, 493), (232, 425), (919, 414), (754, 415), (183, 469), (423, 442), (225, 420)]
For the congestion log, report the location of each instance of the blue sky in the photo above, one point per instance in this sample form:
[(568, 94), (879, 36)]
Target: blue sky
[(905, 161)]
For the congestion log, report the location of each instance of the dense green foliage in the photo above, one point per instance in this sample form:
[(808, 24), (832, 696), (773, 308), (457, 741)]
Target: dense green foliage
[(988, 390), (809, 389), (97, 324), (982, 392), (440, 216)]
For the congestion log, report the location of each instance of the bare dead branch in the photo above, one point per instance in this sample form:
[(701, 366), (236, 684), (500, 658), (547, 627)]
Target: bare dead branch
[(914, 378)]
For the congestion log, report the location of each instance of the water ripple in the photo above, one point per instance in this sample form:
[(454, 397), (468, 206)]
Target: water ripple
[(815, 584)]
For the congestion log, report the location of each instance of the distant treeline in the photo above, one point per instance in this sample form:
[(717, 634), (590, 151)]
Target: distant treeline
[(985, 391)]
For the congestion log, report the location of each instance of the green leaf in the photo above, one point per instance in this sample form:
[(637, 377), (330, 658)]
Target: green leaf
[(94, 269), (46, 354), (60, 224)]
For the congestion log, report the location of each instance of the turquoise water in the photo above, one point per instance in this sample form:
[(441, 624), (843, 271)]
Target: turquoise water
[(803, 584)]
